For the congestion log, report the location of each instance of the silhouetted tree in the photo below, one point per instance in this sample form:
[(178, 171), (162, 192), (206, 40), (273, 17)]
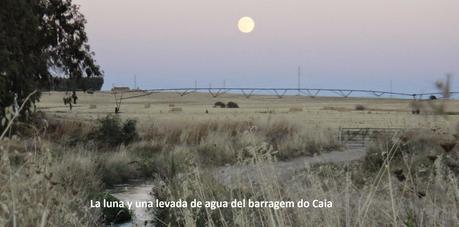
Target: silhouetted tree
[(38, 37)]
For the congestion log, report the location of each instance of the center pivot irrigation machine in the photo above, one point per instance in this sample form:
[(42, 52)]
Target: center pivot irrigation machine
[(279, 92)]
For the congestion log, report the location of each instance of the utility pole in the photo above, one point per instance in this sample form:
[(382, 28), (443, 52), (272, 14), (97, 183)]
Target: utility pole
[(391, 88), (299, 80)]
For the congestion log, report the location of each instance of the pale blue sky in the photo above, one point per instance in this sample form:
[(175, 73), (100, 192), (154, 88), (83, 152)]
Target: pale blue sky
[(359, 44)]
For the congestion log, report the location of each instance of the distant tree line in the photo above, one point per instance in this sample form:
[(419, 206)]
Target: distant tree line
[(72, 84)]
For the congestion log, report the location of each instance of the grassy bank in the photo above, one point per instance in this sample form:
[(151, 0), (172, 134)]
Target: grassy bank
[(402, 182), (49, 174), (53, 167), (41, 187)]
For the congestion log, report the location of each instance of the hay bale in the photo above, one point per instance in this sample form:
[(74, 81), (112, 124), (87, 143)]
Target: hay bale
[(295, 109), (175, 109), (93, 106), (232, 105), (360, 107), (171, 105), (220, 104), (147, 106)]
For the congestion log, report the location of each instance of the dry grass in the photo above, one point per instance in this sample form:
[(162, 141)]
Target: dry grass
[(54, 185), (380, 201), (41, 188), (405, 180), (49, 184), (326, 112), (48, 177), (295, 109), (175, 109), (118, 167), (223, 142)]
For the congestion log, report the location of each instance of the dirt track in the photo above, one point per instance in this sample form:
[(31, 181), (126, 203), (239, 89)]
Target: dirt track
[(229, 175)]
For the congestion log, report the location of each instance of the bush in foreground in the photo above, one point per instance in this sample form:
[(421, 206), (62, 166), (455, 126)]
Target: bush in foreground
[(112, 132)]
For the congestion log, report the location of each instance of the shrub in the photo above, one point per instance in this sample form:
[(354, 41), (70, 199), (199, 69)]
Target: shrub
[(220, 104), (130, 131), (360, 107), (113, 132), (109, 130), (232, 105)]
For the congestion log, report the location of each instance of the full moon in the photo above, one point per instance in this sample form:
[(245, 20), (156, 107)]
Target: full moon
[(246, 25)]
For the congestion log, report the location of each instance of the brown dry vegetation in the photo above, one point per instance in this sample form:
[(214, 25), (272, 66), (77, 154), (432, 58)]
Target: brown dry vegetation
[(368, 193), (49, 172), (66, 161), (42, 189)]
